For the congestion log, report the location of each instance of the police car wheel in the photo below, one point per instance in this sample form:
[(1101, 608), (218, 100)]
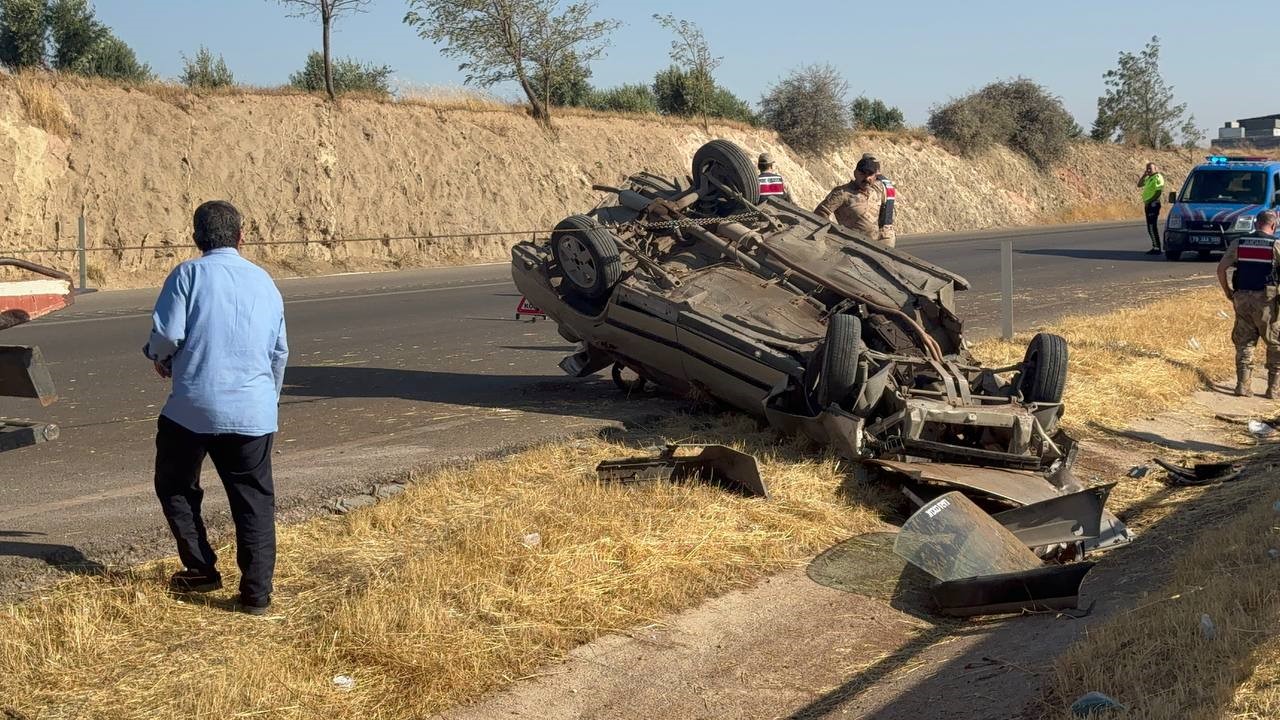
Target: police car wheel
[(587, 255), (730, 166), (1044, 369), (841, 352)]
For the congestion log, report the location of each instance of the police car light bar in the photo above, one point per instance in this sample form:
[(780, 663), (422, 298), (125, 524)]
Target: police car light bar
[(1223, 159)]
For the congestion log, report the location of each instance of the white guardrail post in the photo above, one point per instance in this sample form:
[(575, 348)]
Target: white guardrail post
[(1006, 289)]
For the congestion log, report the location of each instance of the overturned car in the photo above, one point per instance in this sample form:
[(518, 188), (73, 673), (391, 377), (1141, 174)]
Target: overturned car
[(699, 287)]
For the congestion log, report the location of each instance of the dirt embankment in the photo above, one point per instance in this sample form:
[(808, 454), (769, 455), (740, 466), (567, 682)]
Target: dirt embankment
[(301, 169)]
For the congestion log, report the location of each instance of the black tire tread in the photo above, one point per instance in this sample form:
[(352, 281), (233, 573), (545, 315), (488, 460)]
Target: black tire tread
[(1046, 379), (604, 247), (840, 354), (728, 153)]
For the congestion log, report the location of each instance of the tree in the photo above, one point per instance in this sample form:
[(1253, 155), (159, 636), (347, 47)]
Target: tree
[(23, 33), (1137, 107), (75, 33), (1017, 113), (328, 11), (343, 75), (873, 114), (690, 52), (206, 71), (520, 40), (807, 110), (569, 85), (112, 58), (624, 98), (64, 35)]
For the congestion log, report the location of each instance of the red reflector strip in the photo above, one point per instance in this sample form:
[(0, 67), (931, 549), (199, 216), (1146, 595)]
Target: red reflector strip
[(773, 188), (1247, 252), (890, 193)]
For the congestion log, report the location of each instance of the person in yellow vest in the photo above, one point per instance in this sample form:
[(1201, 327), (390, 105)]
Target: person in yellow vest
[(1152, 184)]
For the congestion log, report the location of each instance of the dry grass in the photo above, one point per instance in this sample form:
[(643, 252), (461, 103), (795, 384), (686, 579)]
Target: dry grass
[(437, 596), (1137, 361), (1155, 659), (1097, 212), (43, 108), (432, 598)]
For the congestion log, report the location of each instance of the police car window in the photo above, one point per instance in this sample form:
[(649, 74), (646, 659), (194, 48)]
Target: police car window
[(1248, 187)]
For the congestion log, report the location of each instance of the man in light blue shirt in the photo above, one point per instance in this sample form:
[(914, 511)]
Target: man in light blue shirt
[(218, 331)]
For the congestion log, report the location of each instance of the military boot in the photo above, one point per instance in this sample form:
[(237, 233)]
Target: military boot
[(1244, 380), (1273, 384)]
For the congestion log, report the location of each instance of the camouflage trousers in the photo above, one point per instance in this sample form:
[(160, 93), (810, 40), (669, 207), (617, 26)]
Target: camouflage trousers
[(1256, 317), (888, 235)]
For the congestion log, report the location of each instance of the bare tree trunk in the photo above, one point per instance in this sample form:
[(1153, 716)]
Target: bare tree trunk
[(326, 20), (540, 112)]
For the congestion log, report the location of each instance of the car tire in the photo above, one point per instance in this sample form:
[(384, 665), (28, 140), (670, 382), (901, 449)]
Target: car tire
[(1173, 255), (1044, 369), (587, 255), (841, 352), (731, 166)]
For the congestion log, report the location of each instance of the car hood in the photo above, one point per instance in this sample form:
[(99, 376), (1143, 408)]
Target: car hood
[(1214, 212)]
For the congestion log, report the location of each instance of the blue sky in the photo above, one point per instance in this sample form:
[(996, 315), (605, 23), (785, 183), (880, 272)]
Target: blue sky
[(912, 55)]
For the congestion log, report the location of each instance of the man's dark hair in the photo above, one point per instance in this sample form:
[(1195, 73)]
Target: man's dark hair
[(217, 225), (867, 166)]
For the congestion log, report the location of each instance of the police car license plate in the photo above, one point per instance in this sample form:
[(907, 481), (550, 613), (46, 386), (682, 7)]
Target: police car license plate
[(1204, 239)]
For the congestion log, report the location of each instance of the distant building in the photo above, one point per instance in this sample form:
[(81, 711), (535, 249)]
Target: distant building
[(1259, 132)]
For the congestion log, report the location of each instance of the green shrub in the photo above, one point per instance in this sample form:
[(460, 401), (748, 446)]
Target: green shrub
[(349, 75), (807, 109), (1016, 113), (873, 114), (624, 98), (206, 71)]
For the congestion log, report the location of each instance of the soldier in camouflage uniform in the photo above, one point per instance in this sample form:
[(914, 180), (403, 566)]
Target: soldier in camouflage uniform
[(857, 205), (1252, 291)]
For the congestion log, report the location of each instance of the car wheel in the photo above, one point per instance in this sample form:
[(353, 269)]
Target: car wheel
[(730, 166), (1044, 369), (587, 255), (1174, 255), (840, 354)]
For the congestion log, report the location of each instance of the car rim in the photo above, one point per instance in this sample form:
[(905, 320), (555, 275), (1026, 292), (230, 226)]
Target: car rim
[(577, 262)]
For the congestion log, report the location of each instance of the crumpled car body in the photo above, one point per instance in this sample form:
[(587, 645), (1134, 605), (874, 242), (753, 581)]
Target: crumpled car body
[(697, 286)]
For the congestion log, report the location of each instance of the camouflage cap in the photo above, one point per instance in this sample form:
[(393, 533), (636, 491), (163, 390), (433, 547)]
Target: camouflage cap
[(765, 159)]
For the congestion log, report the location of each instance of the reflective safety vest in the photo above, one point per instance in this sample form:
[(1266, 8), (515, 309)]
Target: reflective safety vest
[(890, 194), (1255, 262), (772, 185)]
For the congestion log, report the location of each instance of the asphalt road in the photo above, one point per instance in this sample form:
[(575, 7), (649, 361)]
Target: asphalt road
[(390, 371)]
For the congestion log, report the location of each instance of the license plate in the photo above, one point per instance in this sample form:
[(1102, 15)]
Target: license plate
[(1205, 240)]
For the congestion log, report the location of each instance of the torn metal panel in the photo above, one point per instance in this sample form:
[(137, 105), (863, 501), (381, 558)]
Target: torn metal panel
[(1015, 486), (1067, 518), (1053, 587), (716, 464), (951, 539)]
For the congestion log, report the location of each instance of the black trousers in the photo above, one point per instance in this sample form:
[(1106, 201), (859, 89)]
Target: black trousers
[(1153, 222), (244, 464)]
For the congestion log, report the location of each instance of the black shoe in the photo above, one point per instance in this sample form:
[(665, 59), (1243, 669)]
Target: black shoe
[(253, 607), (195, 581), (1153, 251)]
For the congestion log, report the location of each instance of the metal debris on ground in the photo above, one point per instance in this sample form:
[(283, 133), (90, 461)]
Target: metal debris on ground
[(1208, 630), (982, 566), (1260, 429), (1138, 471), (1093, 703), (1200, 473), (716, 464)]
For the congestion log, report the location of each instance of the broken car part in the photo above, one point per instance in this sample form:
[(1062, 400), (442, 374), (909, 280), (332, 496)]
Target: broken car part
[(1200, 473), (716, 465), (23, 372), (981, 565)]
